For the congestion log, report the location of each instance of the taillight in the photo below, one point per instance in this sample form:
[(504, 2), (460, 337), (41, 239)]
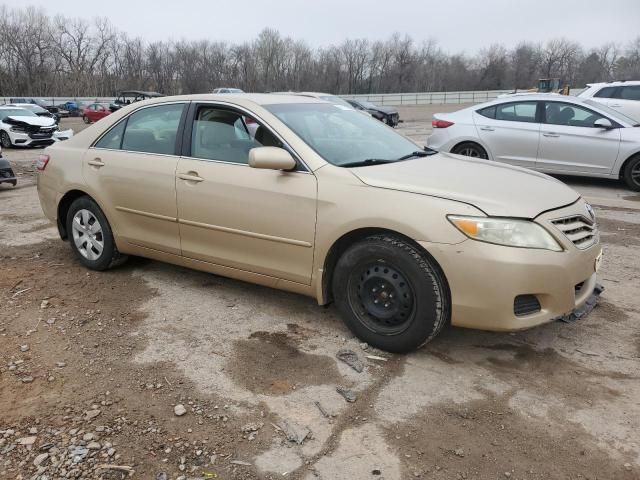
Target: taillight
[(42, 161), (435, 123)]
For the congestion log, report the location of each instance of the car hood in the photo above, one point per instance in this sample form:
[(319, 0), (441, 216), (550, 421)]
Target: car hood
[(494, 188), (34, 121)]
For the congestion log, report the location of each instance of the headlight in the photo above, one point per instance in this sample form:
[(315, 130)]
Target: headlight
[(18, 129), (506, 231)]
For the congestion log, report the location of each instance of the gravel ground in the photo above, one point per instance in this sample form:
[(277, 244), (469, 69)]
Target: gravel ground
[(157, 372)]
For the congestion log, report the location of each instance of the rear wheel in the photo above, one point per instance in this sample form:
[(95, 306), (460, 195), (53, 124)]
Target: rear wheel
[(5, 140), (390, 295), (90, 235), (631, 173), (470, 149)]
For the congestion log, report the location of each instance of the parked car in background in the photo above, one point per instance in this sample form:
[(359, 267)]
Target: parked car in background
[(546, 132), (6, 172), (623, 97), (388, 115), (21, 127), (72, 107), (36, 101), (37, 109), (227, 90), (329, 203), (95, 111)]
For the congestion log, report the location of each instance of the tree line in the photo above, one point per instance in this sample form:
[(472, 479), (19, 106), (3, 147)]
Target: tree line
[(63, 56)]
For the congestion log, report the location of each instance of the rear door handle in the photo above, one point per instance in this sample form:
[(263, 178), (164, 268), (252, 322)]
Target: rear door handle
[(96, 162), (551, 134), (615, 105), (487, 129), (191, 177)]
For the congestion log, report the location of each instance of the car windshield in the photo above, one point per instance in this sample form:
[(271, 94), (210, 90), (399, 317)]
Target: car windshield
[(343, 136), (335, 100), (613, 113), (16, 112)]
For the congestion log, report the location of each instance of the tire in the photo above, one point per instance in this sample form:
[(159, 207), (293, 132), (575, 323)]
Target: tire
[(390, 294), (631, 173), (5, 139), (470, 149), (93, 246), (85, 119)]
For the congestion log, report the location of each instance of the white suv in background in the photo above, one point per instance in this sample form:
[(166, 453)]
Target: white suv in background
[(621, 96)]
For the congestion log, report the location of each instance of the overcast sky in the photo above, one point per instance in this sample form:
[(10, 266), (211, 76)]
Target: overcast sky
[(458, 26)]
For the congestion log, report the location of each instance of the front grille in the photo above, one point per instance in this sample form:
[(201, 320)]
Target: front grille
[(582, 232), (36, 132), (525, 305)]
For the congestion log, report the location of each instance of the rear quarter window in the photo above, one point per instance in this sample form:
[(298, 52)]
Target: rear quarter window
[(489, 112), (606, 92)]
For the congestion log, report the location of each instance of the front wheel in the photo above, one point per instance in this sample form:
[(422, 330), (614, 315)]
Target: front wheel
[(85, 119), (631, 173), (5, 140), (90, 235), (470, 149), (390, 294)]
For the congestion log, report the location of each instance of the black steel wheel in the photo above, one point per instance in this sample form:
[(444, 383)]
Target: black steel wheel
[(381, 297), (470, 149), (390, 293), (631, 173)]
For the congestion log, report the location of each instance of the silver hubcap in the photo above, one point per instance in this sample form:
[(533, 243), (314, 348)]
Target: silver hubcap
[(635, 174), (470, 152), (87, 234)]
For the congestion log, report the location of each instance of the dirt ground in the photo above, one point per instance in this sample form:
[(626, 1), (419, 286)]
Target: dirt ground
[(96, 367)]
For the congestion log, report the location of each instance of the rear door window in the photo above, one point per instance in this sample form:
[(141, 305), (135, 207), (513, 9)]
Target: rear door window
[(517, 112), (153, 129)]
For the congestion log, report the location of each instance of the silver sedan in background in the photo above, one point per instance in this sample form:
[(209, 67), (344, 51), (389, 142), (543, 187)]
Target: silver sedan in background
[(550, 133)]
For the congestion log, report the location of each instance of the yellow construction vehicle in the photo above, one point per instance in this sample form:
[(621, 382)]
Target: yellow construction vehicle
[(552, 85)]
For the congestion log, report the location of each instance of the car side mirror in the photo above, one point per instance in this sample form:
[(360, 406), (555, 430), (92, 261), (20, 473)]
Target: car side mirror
[(603, 123), (271, 158)]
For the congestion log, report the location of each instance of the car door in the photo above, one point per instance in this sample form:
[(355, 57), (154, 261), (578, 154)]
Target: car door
[(570, 142), (627, 101), (131, 172), (511, 131), (255, 220)]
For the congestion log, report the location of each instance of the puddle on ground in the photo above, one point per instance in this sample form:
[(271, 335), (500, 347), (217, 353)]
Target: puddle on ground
[(271, 363)]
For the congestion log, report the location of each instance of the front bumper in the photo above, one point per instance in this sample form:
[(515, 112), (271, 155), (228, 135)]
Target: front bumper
[(20, 139), (485, 279)]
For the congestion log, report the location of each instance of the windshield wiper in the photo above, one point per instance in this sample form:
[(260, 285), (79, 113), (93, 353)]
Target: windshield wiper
[(417, 153), (368, 161)]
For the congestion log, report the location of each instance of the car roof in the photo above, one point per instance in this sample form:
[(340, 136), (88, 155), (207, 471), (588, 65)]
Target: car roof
[(237, 98), (616, 83), (11, 107)]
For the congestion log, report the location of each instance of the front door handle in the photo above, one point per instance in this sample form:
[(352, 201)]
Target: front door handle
[(615, 105), (190, 177), (551, 134), (96, 162), (487, 129)]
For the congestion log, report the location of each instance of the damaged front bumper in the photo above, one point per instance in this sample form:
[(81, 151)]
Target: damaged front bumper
[(584, 309)]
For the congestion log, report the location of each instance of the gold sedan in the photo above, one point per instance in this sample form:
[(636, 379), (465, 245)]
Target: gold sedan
[(302, 195)]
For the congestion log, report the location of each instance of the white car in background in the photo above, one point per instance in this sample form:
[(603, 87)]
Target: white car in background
[(20, 127), (550, 133), (623, 97)]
